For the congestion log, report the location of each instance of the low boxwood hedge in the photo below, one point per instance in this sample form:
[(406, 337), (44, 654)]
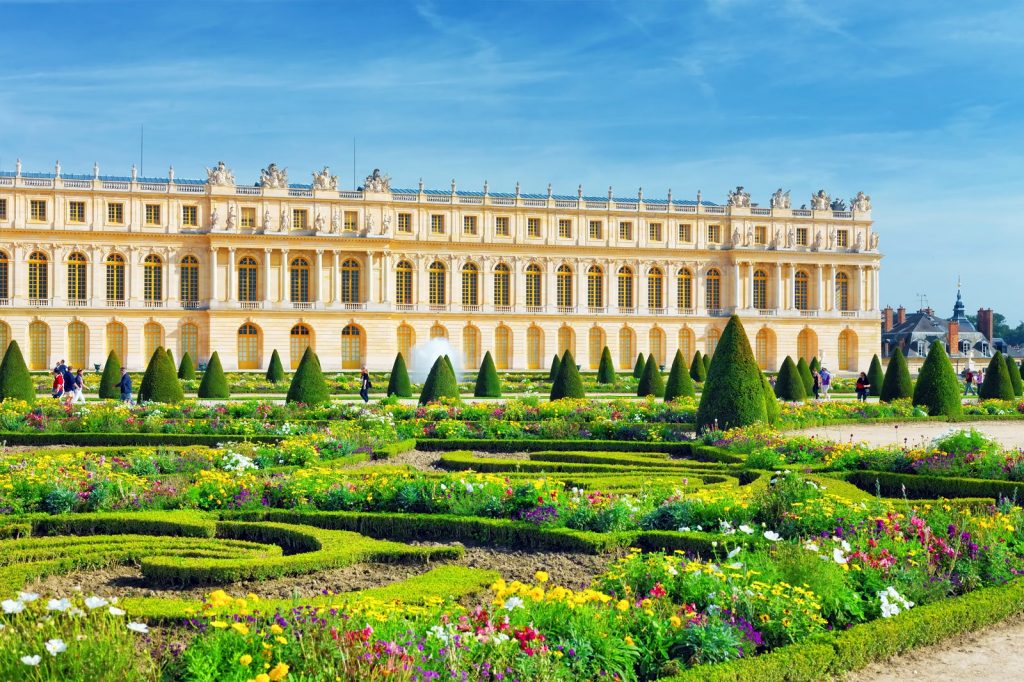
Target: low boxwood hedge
[(703, 453), (915, 486)]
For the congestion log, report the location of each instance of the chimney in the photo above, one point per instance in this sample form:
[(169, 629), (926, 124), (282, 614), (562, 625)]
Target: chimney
[(954, 337), (928, 311), (901, 315), (985, 322), (887, 319)]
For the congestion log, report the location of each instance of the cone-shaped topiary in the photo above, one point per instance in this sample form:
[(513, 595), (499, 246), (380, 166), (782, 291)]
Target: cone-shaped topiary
[(706, 360), (451, 367), (815, 364), (639, 366), (398, 382), (938, 389), (733, 394), (111, 377), (275, 371), (1014, 371), (896, 384), (556, 364), (170, 356), (789, 385), (606, 369), (679, 384), (772, 409), (568, 383), (440, 382), (160, 382), (875, 376), (805, 376), (214, 383), (487, 383), (997, 384), (186, 368), (15, 381), (308, 385), (697, 370), (651, 383)]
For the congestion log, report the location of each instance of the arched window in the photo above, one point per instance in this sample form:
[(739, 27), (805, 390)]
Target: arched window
[(627, 348), (350, 270), (406, 340), (438, 331), (78, 344), (687, 346), (115, 277), (403, 283), (760, 290), (713, 335), (563, 286), (438, 289), (470, 347), (5, 276), (38, 345), (470, 286), (534, 347), (806, 345), (153, 338), (189, 279), (534, 297), (842, 291), (566, 340), (596, 346), (848, 351), (117, 341), (502, 285), (595, 287), (299, 339), (625, 278), (39, 277), (248, 280), (5, 336), (684, 289), (189, 335), (713, 289), (502, 347), (299, 280), (351, 347), (248, 346), (656, 340), (153, 279), (78, 278), (801, 291), (764, 344), (655, 289)]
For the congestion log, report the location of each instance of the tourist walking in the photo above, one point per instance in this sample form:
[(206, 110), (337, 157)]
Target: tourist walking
[(816, 384), (826, 382), (125, 384), (57, 389), (862, 387), (79, 388), (969, 383), (365, 386)]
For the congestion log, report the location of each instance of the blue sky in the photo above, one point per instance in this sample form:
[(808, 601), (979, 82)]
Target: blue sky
[(917, 103)]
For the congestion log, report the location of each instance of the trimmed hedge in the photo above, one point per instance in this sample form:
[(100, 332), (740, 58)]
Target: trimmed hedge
[(275, 370), (568, 383), (651, 382), (606, 369), (160, 383), (772, 408), (488, 385), (997, 384), (789, 385), (938, 389), (15, 381), (639, 366), (805, 375), (393, 449), (733, 394), (186, 368), (702, 453), (398, 382), (875, 376), (308, 386), (214, 383), (556, 364), (698, 372), (1014, 371), (110, 379), (440, 383), (919, 486), (679, 384), (897, 384)]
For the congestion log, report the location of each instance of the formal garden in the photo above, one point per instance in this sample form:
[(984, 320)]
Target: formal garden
[(674, 523)]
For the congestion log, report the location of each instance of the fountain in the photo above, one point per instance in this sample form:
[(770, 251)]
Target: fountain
[(424, 355)]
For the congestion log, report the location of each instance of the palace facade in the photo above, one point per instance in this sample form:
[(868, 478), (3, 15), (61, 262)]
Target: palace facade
[(94, 263)]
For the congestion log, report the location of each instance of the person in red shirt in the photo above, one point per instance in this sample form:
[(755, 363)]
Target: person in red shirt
[(57, 390)]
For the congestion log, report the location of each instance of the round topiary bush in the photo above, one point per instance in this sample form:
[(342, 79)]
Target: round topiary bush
[(556, 364), (275, 370), (214, 384), (606, 369), (897, 383), (487, 383), (938, 389), (1014, 372), (110, 379), (398, 382), (697, 370), (568, 383), (440, 383), (639, 366), (772, 408), (160, 383), (875, 376), (308, 385), (679, 384), (186, 368), (997, 384), (733, 394), (651, 382), (805, 376), (789, 385), (15, 381)]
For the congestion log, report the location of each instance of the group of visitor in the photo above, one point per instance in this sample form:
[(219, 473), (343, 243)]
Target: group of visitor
[(68, 384), (821, 383), (972, 381)]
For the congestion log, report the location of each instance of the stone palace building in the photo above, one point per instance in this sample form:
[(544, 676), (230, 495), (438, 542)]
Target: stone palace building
[(93, 263)]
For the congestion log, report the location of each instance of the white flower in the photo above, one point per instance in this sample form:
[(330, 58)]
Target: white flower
[(772, 536), (58, 605), (75, 611), (11, 606), (56, 646), (734, 552), (736, 566), (114, 611), (684, 529), (513, 603), (747, 529), (31, 660), (27, 596), (811, 547), (95, 602), (838, 556), (138, 627), (893, 602)]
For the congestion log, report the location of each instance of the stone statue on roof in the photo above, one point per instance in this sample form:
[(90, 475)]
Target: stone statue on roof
[(230, 221), (780, 199), (266, 220), (874, 241), (860, 203), (739, 198), (214, 219), (324, 179), (220, 176), (838, 205), (273, 177), (286, 220), (335, 222), (375, 182), (820, 201), (318, 222)]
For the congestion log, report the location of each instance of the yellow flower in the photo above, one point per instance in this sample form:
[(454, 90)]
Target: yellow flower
[(276, 629), (676, 621), (262, 677), (219, 624), (279, 672), (280, 640), (246, 659), (623, 605), (240, 628), (540, 576), (629, 641)]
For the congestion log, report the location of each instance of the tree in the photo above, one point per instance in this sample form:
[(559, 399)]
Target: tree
[(170, 355), (160, 382), (697, 370), (556, 363), (440, 383), (997, 384), (398, 382), (875, 376), (568, 383), (706, 360), (275, 371), (186, 369), (734, 393), (488, 385), (651, 383), (938, 389), (639, 366), (606, 370), (815, 364), (214, 384), (897, 384), (110, 380), (805, 375), (771, 404), (789, 385), (1014, 370), (15, 381), (679, 384), (308, 385)]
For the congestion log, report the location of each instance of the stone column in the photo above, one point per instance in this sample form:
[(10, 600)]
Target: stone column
[(97, 290), (286, 291), (371, 275), (582, 285), (214, 295), (642, 288), (133, 276), (60, 276), (779, 296), (455, 269), (318, 273), (386, 279), (232, 288), (821, 287), (265, 279), (699, 293), (336, 278), (736, 285)]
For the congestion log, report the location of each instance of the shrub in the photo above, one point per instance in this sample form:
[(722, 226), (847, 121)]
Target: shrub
[(214, 383), (679, 384), (875, 376), (160, 382), (170, 355), (275, 371), (697, 370), (187, 368), (805, 375), (15, 381), (487, 383), (706, 361), (997, 384), (897, 384), (308, 385), (815, 365), (639, 366), (568, 383), (734, 392), (398, 382), (773, 411), (1014, 370), (111, 377), (556, 363), (651, 382), (606, 370), (789, 385), (938, 389), (440, 383)]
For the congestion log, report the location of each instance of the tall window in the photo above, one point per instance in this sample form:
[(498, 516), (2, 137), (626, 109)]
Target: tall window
[(654, 232), (350, 281), (248, 217), (502, 284), (684, 289), (595, 287), (405, 222), (115, 277), (533, 227), (625, 278), (801, 236), (299, 280), (685, 232), (502, 347), (626, 230), (563, 285), (627, 348), (5, 280), (533, 289), (76, 211), (300, 219), (403, 283), (656, 339), (351, 221), (152, 338), (760, 289), (534, 347), (190, 216), (78, 336), (469, 225), (687, 347), (298, 342), (247, 280), (842, 291), (38, 275), (713, 289), (566, 340), (655, 289), (713, 336), (351, 347), (5, 336), (437, 224), (470, 347), (248, 347), (806, 344), (842, 238), (115, 214), (37, 210), (801, 286), (762, 348), (565, 228), (189, 335), (596, 346), (761, 234), (714, 234), (3, 209), (406, 340), (38, 345), (596, 229), (153, 214), (117, 341), (438, 290), (77, 277), (501, 226), (470, 284), (847, 350), (153, 278), (189, 280)]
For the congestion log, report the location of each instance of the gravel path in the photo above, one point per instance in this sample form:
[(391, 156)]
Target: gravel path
[(427, 461), (1009, 433)]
